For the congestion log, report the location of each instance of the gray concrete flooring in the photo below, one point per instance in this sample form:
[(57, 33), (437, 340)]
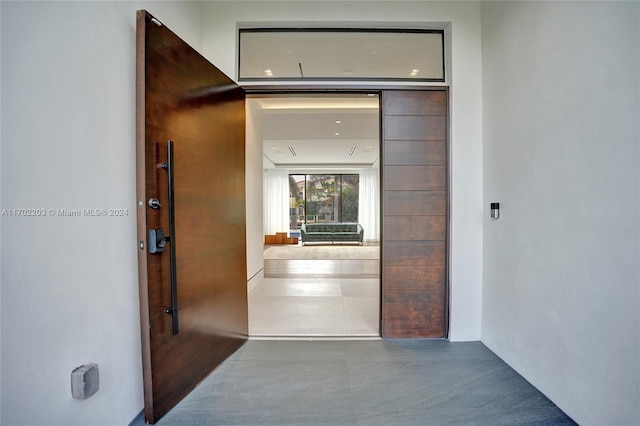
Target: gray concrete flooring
[(377, 382)]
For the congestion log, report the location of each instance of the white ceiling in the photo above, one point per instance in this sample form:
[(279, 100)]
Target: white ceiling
[(324, 131)]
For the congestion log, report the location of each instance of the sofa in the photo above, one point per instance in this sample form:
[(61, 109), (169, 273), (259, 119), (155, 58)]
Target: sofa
[(331, 232)]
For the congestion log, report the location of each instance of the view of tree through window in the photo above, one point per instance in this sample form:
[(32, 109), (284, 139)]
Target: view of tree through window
[(325, 198)]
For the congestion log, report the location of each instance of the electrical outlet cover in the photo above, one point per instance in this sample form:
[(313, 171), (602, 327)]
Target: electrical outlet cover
[(84, 381)]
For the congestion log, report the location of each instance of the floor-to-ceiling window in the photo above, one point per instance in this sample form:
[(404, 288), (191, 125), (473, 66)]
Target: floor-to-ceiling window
[(325, 198)]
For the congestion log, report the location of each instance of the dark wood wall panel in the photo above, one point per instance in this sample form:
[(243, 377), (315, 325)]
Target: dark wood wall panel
[(401, 228), (418, 103), (415, 178), (431, 153), (406, 316), (416, 253), (405, 203), (415, 127), (415, 214), (414, 280)]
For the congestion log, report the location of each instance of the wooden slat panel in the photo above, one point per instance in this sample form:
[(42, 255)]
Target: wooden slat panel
[(413, 279), (418, 153), (415, 103), (397, 203), (415, 178), (415, 194), (414, 314), (417, 253), (415, 228), (415, 128)]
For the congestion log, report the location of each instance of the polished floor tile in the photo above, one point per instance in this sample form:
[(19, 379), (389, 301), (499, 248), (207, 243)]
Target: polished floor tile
[(378, 382), (314, 307)]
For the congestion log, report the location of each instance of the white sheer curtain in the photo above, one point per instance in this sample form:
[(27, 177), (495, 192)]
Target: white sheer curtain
[(276, 201), (369, 204)]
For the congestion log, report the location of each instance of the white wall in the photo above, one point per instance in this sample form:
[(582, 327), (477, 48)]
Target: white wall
[(254, 188), (219, 45), (561, 154), (0, 226), (69, 284)]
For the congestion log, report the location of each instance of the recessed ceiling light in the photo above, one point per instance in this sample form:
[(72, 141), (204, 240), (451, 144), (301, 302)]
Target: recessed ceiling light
[(274, 147), (337, 133), (338, 121), (414, 72), (268, 73)]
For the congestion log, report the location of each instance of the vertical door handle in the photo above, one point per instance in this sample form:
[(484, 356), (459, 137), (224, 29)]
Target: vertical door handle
[(173, 309)]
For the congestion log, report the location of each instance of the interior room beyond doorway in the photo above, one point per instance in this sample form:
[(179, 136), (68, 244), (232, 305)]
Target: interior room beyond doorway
[(320, 289)]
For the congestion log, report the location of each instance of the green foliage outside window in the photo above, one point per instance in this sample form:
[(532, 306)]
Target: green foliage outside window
[(324, 198)]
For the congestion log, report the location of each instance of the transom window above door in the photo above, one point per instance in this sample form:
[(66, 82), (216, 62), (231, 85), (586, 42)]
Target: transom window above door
[(341, 54)]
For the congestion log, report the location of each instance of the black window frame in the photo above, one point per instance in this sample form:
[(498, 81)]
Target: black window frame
[(339, 183)]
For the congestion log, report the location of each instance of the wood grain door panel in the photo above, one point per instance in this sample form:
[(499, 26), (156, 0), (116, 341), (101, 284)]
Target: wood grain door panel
[(183, 98)]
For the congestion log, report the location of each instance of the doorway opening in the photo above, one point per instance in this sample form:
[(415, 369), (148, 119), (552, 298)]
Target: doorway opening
[(320, 164)]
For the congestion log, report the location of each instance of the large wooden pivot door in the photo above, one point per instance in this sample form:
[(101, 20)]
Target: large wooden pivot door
[(191, 201), (415, 211)]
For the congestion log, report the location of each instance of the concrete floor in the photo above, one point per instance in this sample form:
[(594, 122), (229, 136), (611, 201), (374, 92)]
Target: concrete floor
[(351, 382), (377, 382)]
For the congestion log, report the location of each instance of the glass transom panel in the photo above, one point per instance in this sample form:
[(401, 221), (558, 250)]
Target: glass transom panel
[(327, 54)]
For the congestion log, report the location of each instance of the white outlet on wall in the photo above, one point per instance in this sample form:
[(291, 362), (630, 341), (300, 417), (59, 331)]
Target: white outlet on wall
[(84, 381)]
